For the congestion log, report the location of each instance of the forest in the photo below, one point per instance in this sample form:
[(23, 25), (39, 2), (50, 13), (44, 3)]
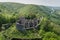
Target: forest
[(48, 29)]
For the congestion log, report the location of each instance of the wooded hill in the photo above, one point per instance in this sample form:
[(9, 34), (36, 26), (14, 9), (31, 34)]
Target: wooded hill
[(49, 28)]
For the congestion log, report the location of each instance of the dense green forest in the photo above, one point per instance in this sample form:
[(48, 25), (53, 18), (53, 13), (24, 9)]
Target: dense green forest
[(49, 28)]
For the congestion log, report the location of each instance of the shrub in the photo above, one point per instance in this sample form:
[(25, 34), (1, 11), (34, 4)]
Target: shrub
[(50, 36)]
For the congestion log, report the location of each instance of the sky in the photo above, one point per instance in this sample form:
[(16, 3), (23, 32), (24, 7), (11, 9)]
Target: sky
[(38, 2)]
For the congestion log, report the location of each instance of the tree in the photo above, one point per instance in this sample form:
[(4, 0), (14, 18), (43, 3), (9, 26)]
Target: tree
[(50, 36)]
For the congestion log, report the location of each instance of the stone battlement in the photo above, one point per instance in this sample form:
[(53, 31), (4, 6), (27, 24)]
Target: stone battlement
[(24, 24)]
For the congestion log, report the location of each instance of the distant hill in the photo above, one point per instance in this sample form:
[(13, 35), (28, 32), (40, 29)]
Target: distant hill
[(10, 7)]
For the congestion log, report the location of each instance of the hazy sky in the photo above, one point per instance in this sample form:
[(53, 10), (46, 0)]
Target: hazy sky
[(39, 2)]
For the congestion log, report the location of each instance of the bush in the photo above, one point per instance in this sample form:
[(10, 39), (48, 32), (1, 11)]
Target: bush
[(30, 16), (50, 36), (2, 37)]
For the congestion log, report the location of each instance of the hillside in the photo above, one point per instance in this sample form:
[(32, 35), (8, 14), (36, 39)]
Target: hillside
[(49, 27)]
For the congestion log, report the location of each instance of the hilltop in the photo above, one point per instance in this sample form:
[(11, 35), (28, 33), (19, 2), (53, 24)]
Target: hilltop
[(49, 27)]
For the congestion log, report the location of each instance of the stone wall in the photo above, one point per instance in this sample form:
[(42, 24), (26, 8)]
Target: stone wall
[(23, 23)]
